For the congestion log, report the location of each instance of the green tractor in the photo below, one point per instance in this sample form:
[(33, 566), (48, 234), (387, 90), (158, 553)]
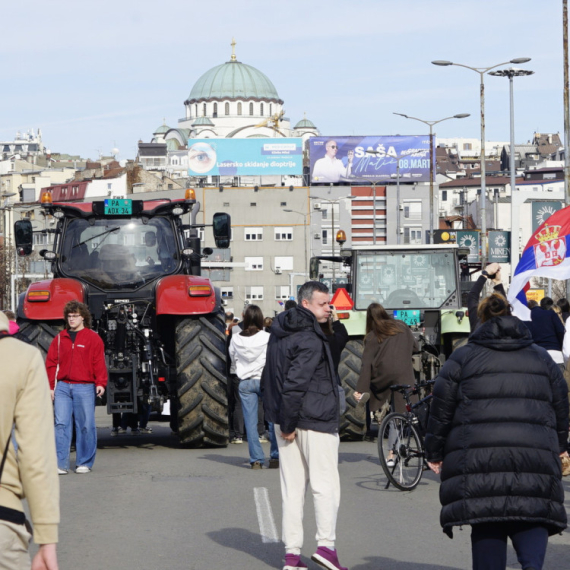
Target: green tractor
[(418, 284)]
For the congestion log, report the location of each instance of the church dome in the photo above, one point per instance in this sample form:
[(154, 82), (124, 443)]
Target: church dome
[(172, 144), (233, 80), (162, 129), (202, 122), (305, 124)]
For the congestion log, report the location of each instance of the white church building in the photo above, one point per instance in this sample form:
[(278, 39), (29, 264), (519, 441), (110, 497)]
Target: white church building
[(231, 100)]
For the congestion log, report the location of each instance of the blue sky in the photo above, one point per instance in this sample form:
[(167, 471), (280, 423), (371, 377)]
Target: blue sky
[(98, 75)]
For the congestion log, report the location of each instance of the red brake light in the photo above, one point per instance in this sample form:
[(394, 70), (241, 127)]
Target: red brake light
[(343, 315)]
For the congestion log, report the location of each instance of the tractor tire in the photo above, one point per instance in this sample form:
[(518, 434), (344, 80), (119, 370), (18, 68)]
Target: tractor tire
[(353, 421), (41, 334), (201, 381)]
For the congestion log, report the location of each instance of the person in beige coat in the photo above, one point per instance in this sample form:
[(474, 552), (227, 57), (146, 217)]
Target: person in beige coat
[(31, 472)]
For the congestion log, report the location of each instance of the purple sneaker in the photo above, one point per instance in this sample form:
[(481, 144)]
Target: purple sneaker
[(327, 558), (293, 562)]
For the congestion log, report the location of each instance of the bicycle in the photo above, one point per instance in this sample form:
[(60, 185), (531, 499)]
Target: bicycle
[(400, 439)]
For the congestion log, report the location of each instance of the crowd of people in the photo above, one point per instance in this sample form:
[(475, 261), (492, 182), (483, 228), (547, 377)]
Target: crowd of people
[(497, 433)]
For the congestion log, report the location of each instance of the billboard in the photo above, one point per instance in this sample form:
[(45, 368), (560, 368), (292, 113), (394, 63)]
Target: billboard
[(541, 211), (472, 240), (245, 157), (369, 159), (499, 247)]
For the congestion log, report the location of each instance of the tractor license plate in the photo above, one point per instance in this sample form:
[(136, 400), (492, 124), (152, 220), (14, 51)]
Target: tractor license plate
[(118, 207), (411, 318)]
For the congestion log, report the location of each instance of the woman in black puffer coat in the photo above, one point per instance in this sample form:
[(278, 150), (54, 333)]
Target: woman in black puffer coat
[(498, 425)]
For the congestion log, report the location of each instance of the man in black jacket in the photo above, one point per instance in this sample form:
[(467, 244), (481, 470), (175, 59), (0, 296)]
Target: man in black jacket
[(300, 396)]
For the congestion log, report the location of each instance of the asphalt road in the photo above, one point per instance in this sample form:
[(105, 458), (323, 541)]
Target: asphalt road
[(149, 505)]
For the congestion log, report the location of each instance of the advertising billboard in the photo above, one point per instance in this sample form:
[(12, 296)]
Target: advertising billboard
[(245, 157), (369, 159), (499, 247), (542, 210), (472, 240)]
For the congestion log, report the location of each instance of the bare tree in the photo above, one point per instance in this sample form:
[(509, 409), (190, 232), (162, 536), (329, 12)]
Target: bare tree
[(558, 287)]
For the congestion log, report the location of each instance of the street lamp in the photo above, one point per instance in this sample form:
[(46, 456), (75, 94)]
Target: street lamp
[(332, 201), (481, 71), (305, 232), (510, 73), (431, 160)]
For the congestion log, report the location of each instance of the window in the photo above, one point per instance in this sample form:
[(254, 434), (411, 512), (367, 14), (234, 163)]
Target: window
[(170, 186), (42, 239), (444, 195), (325, 237), (251, 108), (204, 109), (253, 234), (227, 292), (253, 263), (413, 235), (413, 210), (226, 204), (261, 109), (467, 146), (239, 108), (254, 293), (282, 292), (283, 204), (283, 234), (227, 109), (285, 263), (215, 114), (252, 204)]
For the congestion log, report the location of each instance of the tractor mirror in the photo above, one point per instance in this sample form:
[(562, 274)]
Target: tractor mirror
[(24, 236), (222, 225)]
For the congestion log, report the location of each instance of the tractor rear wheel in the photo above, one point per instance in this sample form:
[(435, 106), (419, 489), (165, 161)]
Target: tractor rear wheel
[(201, 381), (41, 334), (353, 421)]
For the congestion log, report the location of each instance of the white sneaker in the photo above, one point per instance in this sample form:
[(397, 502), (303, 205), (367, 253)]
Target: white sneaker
[(82, 469), (61, 471)]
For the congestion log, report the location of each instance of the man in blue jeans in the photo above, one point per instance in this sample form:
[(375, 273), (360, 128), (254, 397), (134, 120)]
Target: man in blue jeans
[(76, 361)]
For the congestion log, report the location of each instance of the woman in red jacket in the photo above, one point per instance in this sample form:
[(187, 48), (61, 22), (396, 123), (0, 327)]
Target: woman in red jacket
[(77, 374)]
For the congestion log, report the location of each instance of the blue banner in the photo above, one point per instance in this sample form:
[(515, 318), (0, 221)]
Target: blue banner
[(242, 157), (369, 159)]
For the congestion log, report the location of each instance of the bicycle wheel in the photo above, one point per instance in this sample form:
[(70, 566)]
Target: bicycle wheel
[(399, 441)]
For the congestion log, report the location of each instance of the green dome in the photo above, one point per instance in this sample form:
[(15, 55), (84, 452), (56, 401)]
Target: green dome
[(304, 124), (162, 129), (202, 122), (233, 80), (172, 144)]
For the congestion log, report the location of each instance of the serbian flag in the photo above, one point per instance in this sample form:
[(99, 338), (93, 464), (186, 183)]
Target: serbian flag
[(547, 254)]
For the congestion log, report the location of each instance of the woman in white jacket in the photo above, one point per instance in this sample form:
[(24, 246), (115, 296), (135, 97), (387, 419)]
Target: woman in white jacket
[(247, 352)]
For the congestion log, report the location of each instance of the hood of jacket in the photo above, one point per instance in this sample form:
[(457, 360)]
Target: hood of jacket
[(295, 320), (502, 333)]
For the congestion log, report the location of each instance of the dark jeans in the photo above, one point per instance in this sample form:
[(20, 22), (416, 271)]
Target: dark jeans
[(489, 544), (235, 410)]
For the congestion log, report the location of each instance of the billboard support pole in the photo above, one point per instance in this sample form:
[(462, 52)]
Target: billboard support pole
[(431, 160)]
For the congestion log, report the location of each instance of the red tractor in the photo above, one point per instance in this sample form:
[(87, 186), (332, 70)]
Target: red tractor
[(136, 265)]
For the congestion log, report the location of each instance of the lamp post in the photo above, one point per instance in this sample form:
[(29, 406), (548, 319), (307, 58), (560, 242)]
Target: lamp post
[(481, 71), (398, 220), (431, 160), (333, 202), (305, 233), (6, 260), (510, 73)]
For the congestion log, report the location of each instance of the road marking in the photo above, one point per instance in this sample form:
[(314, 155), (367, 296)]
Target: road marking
[(267, 527)]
